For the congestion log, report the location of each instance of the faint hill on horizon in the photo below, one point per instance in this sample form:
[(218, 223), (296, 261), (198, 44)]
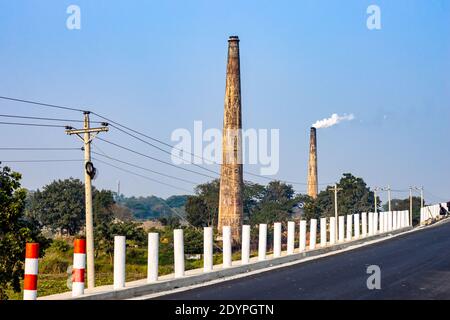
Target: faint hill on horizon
[(152, 207)]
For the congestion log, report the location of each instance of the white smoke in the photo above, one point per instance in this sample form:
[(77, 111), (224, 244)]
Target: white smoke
[(333, 120)]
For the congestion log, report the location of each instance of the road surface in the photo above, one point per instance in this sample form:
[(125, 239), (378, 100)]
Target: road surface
[(413, 266)]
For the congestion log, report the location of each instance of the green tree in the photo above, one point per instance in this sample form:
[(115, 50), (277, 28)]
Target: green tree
[(197, 213), (60, 206), (15, 231), (104, 235), (353, 197)]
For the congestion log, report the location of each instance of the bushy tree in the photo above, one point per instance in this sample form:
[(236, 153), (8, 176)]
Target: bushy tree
[(353, 197), (60, 206), (15, 231)]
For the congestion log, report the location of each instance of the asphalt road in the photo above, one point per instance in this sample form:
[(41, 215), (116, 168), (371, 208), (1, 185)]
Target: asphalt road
[(413, 266)]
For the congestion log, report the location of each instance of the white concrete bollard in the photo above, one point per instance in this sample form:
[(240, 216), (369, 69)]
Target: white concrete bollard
[(302, 242), (356, 224), (291, 237), (390, 221), (226, 246), (119, 262), (402, 219), (208, 249), (341, 229), (152, 257), (332, 230), (394, 220), (262, 242), (399, 219), (386, 221), (407, 223), (349, 227), (370, 231), (178, 250), (364, 223), (312, 234), (323, 232), (375, 223), (381, 222), (277, 240), (245, 249)]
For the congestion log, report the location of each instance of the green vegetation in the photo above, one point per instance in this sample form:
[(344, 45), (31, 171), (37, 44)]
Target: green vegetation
[(15, 231)]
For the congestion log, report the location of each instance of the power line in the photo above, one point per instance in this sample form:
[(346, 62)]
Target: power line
[(33, 149), (41, 104), (41, 160), (42, 118), (161, 149), (155, 159), (34, 124), (142, 176), (146, 169)]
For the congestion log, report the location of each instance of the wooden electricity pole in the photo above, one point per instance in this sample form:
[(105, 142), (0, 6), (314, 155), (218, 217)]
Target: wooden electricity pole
[(410, 205), (87, 134), (335, 189)]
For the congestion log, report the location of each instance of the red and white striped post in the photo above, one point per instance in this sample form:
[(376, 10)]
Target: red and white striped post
[(31, 271), (79, 266)]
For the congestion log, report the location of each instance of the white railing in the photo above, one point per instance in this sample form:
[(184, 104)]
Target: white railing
[(354, 228), (431, 213)]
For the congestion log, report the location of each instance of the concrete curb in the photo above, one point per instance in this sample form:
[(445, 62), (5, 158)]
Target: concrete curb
[(176, 283)]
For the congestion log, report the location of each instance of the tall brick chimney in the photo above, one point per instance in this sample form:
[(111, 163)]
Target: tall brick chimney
[(312, 166), (231, 179)]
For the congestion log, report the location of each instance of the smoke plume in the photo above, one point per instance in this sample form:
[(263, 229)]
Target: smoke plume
[(333, 120)]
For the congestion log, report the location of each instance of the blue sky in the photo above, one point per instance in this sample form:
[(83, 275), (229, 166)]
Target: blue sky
[(160, 65)]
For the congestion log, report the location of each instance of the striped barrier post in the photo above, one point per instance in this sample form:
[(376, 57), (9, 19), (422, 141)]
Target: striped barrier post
[(262, 242), (312, 234), (245, 249), (79, 267), (152, 257), (323, 232), (277, 240), (31, 271), (302, 241), (226, 238), (291, 237)]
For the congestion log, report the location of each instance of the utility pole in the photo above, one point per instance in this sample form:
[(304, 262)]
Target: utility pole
[(410, 205), (375, 198), (336, 189), (389, 197), (421, 197), (89, 173)]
